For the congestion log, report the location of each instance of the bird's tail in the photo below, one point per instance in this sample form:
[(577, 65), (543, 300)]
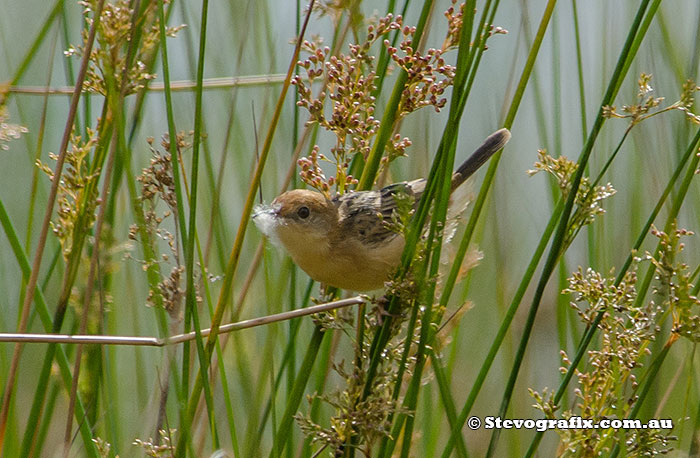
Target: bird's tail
[(491, 145)]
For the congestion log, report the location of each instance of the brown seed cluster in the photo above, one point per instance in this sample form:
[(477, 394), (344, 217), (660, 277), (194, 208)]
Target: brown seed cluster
[(345, 103), (157, 179), (75, 190), (347, 85), (8, 131), (675, 283), (588, 199), (428, 74), (108, 58), (607, 384), (312, 173), (158, 184), (648, 105)]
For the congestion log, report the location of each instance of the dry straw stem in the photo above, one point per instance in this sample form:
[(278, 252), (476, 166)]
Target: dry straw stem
[(285, 184), (257, 257), (31, 285), (88, 292), (179, 338), (175, 86), (245, 216), (94, 260)]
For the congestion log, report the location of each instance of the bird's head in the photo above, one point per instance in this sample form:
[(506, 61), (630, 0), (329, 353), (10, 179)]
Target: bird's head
[(296, 217)]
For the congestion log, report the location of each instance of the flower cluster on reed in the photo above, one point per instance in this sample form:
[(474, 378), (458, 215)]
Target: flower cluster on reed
[(344, 104), (348, 83), (608, 386), (8, 131), (76, 189), (589, 198), (157, 184), (109, 60), (648, 105)]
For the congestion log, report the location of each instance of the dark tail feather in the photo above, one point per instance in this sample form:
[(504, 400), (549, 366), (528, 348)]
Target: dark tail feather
[(493, 143)]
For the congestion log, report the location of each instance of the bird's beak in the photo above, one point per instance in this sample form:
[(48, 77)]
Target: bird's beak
[(266, 218), (265, 210)]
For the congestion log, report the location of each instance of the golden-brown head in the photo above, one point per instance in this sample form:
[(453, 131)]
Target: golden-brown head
[(297, 212)]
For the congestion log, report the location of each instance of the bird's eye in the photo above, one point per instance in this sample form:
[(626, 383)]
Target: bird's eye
[(303, 212)]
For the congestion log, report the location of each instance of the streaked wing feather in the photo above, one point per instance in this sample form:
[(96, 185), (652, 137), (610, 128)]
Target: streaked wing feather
[(364, 213)]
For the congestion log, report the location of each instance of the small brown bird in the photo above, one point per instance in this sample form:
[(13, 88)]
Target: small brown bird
[(344, 241)]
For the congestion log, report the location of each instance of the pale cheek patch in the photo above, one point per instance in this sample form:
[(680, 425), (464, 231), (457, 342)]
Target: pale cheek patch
[(267, 222)]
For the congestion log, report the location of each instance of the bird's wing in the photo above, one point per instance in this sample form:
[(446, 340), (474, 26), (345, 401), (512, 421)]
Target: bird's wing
[(413, 189), (367, 214)]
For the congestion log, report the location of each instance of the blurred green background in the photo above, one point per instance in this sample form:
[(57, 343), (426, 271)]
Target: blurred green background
[(250, 38)]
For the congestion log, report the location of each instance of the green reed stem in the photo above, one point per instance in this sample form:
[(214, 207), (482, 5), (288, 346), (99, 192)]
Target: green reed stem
[(294, 398), (630, 48), (232, 264), (369, 173)]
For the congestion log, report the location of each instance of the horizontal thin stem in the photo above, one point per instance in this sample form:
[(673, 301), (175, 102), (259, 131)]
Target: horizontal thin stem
[(184, 85), (179, 338)]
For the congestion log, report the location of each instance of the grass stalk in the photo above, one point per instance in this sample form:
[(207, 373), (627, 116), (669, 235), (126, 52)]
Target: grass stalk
[(188, 243), (632, 43), (493, 165), (107, 176), (43, 312), (78, 236), (503, 330), (471, 225), (232, 263), (32, 52), (369, 173), (34, 276), (381, 337), (447, 401), (39, 146), (294, 398), (88, 295)]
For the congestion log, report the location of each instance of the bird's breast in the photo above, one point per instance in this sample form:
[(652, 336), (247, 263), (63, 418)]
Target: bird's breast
[(349, 263)]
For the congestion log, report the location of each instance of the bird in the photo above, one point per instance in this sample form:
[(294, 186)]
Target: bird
[(344, 241)]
